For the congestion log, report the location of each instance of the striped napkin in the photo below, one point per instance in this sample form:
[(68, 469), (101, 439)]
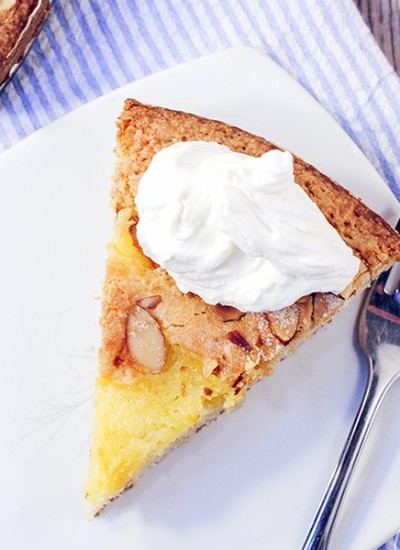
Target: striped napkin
[(88, 47)]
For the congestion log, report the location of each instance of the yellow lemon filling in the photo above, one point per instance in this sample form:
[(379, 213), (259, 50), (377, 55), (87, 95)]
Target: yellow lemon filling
[(135, 423), (136, 420)]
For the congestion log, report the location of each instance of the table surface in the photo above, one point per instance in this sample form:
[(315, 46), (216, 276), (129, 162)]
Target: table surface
[(383, 18)]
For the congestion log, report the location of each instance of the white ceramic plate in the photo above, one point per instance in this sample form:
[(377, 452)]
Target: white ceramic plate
[(254, 478)]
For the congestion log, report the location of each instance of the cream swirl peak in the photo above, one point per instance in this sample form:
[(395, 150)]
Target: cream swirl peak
[(237, 230)]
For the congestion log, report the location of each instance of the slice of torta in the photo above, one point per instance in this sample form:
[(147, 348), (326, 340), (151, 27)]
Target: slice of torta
[(169, 362)]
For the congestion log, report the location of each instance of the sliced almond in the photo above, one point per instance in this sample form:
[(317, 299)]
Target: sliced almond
[(319, 309), (325, 306), (361, 280), (347, 291), (149, 302), (228, 313), (209, 367), (237, 338), (305, 306), (145, 340), (284, 323)]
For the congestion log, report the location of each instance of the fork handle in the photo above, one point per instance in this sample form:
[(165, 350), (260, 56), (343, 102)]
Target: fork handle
[(321, 528)]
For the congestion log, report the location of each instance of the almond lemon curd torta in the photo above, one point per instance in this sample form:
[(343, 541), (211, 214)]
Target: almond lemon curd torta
[(169, 362)]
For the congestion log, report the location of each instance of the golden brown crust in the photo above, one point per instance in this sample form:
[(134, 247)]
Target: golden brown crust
[(254, 340), (18, 25)]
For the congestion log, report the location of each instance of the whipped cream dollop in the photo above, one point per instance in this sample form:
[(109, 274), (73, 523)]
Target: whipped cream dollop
[(237, 230)]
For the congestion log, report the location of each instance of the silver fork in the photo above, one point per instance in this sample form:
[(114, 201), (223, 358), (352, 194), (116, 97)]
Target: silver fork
[(379, 338)]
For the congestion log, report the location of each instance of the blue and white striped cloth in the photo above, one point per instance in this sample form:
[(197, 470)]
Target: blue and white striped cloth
[(88, 47)]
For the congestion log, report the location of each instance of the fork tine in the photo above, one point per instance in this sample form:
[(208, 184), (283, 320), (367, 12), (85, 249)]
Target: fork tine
[(393, 280)]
